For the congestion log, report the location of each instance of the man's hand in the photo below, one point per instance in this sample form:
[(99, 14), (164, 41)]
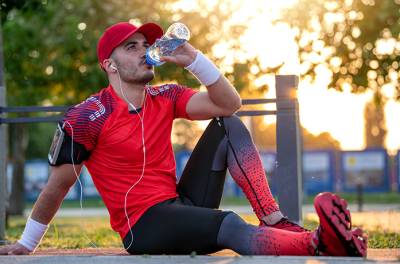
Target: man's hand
[(182, 56), (60, 181), (14, 249)]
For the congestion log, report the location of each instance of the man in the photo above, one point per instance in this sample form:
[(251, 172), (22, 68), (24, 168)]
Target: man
[(122, 135)]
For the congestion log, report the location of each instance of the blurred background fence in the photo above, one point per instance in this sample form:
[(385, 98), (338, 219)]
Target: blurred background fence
[(323, 170)]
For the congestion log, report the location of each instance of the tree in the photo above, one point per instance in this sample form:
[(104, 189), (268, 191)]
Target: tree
[(265, 138), (50, 59), (356, 41), (50, 52), (375, 126)]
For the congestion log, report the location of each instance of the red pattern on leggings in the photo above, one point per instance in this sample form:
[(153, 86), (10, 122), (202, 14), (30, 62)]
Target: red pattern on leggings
[(271, 241), (246, 169)]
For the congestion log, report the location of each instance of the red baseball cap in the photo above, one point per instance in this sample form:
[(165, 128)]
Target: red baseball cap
[(114, 35)]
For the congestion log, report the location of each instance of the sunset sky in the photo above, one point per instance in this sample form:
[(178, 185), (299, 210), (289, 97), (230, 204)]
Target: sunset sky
[(321, 109)]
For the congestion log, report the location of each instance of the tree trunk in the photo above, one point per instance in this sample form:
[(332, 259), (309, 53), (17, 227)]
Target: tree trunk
[(375, 122), (19, 146)]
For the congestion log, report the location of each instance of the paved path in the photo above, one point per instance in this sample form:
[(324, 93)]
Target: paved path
[(168, 260), (91, 259)]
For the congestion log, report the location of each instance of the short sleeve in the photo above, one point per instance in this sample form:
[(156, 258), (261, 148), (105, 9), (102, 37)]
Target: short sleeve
[(83, 122), (80, 129), (183, 94)]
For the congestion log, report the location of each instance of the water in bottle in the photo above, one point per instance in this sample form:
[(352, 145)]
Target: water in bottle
[(176, 35)]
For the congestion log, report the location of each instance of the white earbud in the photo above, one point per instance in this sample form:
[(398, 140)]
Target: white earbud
[(113, 67)]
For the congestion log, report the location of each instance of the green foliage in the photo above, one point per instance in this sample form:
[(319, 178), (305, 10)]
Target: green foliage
[(346, 37), (50, 52), (48, 59), (358, 41), (42, 136), (50, 48)]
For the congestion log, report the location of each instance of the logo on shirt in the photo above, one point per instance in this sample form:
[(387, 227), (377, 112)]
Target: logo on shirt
[(99, 112), (155, 91)]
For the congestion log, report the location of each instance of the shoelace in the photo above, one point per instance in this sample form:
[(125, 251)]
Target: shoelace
[(286, 222)]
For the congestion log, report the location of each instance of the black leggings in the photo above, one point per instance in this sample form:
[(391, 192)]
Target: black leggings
[(190, 222)]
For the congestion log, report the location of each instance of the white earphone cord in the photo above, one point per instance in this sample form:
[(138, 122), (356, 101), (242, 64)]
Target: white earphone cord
[(77, 177), (144, 153), (141, 176), (81, 190)]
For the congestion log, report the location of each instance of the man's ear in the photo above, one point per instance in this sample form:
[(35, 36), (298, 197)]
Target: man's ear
[(109, 66)]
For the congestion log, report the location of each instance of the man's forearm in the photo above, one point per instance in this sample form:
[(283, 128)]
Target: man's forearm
[(60, 180), (220, 90), (224, 95), (47, 204)]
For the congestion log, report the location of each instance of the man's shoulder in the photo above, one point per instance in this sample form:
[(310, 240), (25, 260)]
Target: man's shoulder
[(164, 89), (96, 106)]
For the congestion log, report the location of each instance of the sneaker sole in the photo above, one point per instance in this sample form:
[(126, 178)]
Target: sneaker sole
[(334, 210)]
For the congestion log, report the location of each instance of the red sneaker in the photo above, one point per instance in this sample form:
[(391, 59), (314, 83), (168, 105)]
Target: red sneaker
[(334, 236), (286, 224)]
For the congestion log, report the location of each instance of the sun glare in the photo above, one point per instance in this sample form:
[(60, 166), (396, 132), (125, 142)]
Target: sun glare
[(321, 109)]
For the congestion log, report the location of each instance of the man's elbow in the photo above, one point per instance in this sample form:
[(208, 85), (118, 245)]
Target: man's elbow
[(234, 107), (236, 104)]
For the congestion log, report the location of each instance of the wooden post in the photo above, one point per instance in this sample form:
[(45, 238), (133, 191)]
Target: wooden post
[(289, 147)]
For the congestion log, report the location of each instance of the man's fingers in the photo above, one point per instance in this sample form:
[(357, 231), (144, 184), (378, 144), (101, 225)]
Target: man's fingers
[(14, 249), (4, 250), (19, 251), (168, 59)]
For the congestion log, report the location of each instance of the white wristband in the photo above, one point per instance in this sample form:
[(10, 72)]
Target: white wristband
[(203, 69), (33, 234)]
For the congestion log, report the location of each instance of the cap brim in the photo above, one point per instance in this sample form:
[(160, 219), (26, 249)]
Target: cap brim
[(151, 31)]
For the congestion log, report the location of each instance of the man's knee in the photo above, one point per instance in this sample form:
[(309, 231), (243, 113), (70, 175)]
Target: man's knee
[(234, 124)]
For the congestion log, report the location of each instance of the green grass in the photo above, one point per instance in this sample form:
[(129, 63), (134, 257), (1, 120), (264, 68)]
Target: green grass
[(74, 233), (376, 238), (86, 203), (384, 198), (71, 233)]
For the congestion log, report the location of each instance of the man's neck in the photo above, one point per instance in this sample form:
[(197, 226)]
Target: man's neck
[(131, 93)]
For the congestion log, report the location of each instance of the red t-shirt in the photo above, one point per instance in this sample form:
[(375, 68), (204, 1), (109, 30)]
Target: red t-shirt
[(113, 136)]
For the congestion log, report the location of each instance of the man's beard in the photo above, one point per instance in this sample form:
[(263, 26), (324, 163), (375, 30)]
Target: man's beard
[(144, 79)]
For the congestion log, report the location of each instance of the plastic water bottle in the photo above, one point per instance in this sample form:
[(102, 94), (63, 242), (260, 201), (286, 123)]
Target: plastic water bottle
[(176, 35)]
